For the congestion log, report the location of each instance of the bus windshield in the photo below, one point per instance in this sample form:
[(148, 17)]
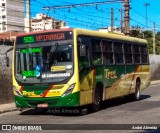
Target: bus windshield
[(44, 63)]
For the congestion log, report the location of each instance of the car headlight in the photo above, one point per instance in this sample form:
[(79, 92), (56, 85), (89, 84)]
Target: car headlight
[(69, 90), (17, 92)]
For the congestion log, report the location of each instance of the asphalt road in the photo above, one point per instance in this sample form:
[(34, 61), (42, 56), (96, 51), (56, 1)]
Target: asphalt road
[(119, 111)]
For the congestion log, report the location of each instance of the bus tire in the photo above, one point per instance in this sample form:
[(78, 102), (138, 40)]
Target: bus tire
[(97, 101), (137, 91)]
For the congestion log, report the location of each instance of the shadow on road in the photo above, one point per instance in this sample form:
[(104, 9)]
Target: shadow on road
[(83, 110), (121, 101), (56, 112), (144, 97)]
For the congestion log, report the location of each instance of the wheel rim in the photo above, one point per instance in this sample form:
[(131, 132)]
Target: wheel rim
[(137, 90), (137, 94)]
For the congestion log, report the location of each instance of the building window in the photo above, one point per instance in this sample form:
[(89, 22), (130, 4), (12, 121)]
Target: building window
[(3, 16), (3, 4), (4, 28), (3, 23)]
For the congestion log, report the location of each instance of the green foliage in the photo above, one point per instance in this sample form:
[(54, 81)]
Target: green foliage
[(148, 35), (150, 45)]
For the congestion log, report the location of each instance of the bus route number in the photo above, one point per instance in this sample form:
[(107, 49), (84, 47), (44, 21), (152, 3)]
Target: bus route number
[(28, 39)]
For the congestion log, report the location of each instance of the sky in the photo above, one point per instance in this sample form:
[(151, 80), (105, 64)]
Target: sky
[(95, 17)]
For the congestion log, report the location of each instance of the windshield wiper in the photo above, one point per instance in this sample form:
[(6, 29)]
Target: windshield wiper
[(51, 53)]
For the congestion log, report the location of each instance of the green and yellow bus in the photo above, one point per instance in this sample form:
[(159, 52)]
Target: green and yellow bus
[(76, 67)]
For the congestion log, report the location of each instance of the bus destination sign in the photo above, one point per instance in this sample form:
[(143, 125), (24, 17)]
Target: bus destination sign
[(36, 38)]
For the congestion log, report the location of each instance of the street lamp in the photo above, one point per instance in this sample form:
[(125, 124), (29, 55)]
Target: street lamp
[(146, 4)]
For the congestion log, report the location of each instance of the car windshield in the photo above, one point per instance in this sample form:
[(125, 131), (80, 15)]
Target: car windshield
[(44, 64)]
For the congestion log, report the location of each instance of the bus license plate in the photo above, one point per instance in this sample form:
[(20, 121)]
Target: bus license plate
[(42, 105)]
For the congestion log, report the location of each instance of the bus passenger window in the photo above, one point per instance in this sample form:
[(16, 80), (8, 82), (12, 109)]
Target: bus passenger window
[(144, 54), (128, 53), (97, 59), (118, 51), (96, 52), (136, 53), (107, 52), (109, 58), (83, 60)]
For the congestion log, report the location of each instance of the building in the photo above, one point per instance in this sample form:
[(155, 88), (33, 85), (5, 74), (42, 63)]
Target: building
[(11, 15), (44, 22), (8, 38)]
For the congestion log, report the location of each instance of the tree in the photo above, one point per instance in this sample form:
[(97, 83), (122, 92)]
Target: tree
[(148, 35), (158, 43)]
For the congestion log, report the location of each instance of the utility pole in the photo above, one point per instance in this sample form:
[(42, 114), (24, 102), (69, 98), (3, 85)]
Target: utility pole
[(126, 17), (146, 4), (121, 23), (112, 19), (28, 17), (154, 38)]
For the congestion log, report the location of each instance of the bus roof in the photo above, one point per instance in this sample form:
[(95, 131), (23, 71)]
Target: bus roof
[(107, 35), (100, 34)]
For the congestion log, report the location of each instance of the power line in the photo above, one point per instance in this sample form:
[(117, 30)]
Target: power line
[(137, 22), (79, 5), (84, 4)]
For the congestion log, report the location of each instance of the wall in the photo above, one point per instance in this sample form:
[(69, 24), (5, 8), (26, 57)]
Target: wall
[(155, 67), (6, 93)]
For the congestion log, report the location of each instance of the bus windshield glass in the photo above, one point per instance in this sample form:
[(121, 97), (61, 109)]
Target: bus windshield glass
[(44, 62)]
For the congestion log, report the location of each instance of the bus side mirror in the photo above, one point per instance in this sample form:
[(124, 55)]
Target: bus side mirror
[(7, 61), (82, 50)]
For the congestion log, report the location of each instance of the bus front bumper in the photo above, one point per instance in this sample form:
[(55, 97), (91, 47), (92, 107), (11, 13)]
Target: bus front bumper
[(69, 100)]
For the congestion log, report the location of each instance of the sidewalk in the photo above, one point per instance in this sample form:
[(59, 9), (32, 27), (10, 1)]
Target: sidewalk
[(155, 82), (11, 106), (7, 107)]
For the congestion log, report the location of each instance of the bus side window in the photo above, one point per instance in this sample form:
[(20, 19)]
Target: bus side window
[(136, 52), (96, 52), (144, 54), (128, 53), (118, 51), (83, 60), (107, 50)]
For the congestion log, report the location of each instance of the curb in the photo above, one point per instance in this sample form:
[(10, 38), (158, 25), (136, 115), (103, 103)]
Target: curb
[(155, 82), (9, 110)]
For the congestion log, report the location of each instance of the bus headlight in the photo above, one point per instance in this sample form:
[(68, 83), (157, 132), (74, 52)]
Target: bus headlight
[(69, 90), (17, 92)]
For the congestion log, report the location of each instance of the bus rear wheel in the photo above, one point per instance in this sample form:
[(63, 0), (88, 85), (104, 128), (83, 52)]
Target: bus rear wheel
[(97, 101), (137, 91), (136, 95)]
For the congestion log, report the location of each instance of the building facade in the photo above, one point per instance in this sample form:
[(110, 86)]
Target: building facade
[(43, 22), (11, 15)]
